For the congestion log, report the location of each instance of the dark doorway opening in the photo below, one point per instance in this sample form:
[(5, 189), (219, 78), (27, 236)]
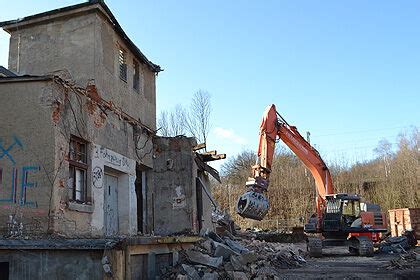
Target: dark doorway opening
[(4, 270), (199, 193), (140, 188)]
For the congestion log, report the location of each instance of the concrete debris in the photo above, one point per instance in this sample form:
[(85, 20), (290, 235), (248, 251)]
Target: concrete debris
[(407, 260), (200, 258), (191, 272), (181, 277), (224, 221), (237, 247), (242, 258), (207, 245), (237, 275), (222, 250), (236, 263), (397, 244), (210, 276)]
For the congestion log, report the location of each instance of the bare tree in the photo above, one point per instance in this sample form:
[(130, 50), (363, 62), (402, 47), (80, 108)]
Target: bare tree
[(194, 122), (198, 120), (173, 123), (163, 124), (384, 151)]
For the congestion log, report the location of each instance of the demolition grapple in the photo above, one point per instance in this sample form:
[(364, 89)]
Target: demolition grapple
[(253, 204)]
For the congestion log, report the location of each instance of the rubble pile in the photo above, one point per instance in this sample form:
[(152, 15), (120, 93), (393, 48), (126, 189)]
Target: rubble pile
[(218, 257), (407, 260), (398, 244)]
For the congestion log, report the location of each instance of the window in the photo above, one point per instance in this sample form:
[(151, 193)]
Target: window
[(136, 76), (122, 63), (78, 169)]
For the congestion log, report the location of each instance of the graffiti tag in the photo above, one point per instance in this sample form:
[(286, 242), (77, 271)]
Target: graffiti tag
[(97, 174)]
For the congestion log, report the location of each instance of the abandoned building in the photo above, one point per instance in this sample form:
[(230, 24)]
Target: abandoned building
[(87, 189)]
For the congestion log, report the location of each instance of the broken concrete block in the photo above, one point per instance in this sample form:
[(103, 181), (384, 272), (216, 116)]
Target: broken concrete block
[(207, 245), (221, 250), (215, 237), (234, 260), (228, 266), (200, 258), (181, 277), (210, 276), (235, 246), (191, 272), (247, 258), (239, 275)]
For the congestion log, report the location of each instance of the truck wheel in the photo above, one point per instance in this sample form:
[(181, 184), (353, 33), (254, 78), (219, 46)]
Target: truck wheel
[(314, 247), (365, 247)]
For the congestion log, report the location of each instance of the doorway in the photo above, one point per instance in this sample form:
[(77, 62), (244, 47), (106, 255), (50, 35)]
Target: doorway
[(4, 270), (140, 186), (111, 205)]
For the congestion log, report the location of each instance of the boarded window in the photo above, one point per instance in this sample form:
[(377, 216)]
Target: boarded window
[(122, 63), (78, 169), (136, 76)]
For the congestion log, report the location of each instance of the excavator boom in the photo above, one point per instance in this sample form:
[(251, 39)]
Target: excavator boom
[(253, 204)]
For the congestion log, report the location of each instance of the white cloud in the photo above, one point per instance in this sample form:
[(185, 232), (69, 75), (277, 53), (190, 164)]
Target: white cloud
[(229, 134)]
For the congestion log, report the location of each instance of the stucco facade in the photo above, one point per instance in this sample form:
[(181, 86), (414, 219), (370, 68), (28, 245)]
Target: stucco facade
[(74, 89)]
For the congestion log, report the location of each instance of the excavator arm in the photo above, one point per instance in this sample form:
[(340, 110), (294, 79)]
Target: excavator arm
[(254, 204)]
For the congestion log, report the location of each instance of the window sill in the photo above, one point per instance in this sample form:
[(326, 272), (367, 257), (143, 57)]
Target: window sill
[(80, 207)]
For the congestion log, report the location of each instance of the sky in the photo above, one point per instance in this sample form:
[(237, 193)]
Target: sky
[(347, 71)]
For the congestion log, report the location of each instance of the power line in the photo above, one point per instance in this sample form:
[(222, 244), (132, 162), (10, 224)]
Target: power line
[(353, 148), (365, 130)]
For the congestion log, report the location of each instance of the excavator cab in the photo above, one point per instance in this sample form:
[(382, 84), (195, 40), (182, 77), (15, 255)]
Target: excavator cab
[(342, 211)]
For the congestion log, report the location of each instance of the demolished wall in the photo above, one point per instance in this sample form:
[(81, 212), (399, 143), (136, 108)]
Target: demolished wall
[(174, 180)]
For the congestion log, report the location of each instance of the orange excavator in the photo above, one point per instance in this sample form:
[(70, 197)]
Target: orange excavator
[(339, 219)]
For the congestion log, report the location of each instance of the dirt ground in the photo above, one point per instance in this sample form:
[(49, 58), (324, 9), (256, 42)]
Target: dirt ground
[(336, 263)]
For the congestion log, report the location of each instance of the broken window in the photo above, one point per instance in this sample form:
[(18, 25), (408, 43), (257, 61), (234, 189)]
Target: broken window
[(122, 63), (136, 76), (78, 169)]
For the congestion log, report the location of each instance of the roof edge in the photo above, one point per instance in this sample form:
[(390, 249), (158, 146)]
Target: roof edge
[(113, 21), (26, 78)]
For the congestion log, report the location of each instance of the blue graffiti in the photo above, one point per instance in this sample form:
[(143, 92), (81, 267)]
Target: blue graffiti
[(12, 198), (25, 184), (6, 151), (25, 172)]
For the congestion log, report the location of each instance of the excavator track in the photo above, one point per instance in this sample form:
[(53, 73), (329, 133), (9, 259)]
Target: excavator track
[(314, 247), (365, 247)]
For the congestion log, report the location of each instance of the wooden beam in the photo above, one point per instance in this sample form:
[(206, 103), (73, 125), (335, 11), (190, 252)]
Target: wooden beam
[(207, 158), (203, 166), (209, 153), (199, 147)]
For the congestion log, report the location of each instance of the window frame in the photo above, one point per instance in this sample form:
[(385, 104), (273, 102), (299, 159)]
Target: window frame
[(136, 76), (122, 64), (81, 165)]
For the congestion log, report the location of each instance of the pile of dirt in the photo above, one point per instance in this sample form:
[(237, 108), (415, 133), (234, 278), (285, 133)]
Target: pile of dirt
[(225, 257)]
